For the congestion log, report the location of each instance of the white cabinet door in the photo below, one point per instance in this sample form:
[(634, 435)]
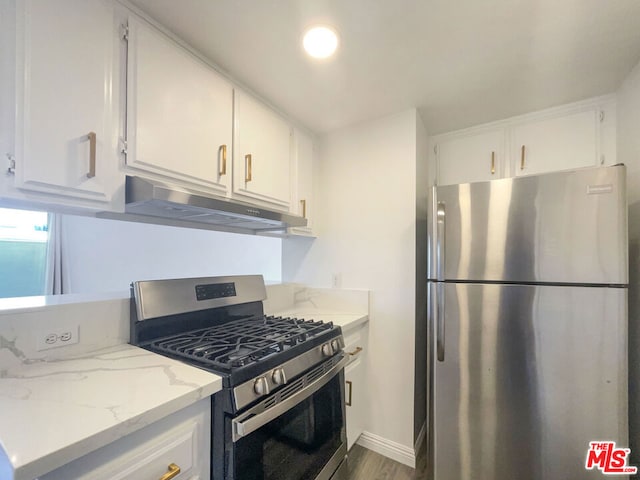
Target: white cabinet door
[(179, 112), (472, 158), (560, 143), (182, 439), (355, 384), (66, 123), (304, 162), (262, 157)]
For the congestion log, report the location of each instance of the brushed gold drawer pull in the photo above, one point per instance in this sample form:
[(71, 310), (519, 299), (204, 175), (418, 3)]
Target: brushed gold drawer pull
[(522, 158), (349, 397), (223, 150), (304, 208), (173, 472), (92, 154), (356, 351), (493, 163), (247, 159)]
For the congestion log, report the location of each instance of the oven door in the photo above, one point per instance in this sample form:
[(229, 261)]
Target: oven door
[(296, 433)]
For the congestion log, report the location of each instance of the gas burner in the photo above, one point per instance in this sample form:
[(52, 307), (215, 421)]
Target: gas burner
[(239, 343)]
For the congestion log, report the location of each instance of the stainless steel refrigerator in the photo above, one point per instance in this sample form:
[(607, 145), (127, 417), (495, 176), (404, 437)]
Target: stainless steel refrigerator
[(528, 321)]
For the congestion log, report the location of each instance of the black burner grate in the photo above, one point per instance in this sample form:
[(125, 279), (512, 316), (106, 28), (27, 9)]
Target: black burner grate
[(240, 342)]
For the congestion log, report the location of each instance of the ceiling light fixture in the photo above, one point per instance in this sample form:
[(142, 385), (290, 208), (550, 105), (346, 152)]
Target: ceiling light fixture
[(320, 41)]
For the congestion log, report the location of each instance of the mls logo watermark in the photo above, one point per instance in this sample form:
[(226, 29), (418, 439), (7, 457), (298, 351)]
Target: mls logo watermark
[(609, 459)]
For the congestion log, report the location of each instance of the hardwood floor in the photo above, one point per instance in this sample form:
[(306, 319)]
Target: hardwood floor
[(367, 465)]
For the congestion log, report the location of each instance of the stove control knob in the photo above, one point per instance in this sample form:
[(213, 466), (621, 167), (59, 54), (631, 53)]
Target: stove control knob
[(327, 350), (278, 376), (261, 386), (335, 345)]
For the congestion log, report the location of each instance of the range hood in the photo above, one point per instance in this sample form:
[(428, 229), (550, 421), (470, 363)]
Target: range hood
[(175, 204)]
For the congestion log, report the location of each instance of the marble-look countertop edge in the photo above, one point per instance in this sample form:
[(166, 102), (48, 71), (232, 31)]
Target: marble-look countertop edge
[(363, 318), (104, 437), (33, 467)]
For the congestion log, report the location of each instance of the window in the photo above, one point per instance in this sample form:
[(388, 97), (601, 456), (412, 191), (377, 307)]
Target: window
[(23, 252)]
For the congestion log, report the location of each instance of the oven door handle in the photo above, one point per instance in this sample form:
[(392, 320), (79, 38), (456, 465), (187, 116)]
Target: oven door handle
[(249, 422)]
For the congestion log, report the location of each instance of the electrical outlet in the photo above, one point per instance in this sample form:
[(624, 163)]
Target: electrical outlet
[(57, 337)]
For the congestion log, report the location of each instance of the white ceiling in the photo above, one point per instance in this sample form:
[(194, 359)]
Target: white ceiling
[(461, 62)]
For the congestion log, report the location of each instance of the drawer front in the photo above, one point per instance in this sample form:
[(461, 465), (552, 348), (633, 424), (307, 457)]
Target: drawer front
[(153, 460), (354, 344), (181, 439)]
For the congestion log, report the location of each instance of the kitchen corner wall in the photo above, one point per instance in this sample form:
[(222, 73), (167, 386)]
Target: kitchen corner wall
[(628, 147), (107, 255), (423, 181), (367, 236)]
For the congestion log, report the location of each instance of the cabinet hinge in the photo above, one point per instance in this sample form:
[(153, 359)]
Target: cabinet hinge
[(124, 32), (12, 164), (123, 147), (602, 115), (435, 149), (602, 159)]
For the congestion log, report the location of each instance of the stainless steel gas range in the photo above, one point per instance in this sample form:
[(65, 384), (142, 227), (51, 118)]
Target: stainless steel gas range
[(281, 413)]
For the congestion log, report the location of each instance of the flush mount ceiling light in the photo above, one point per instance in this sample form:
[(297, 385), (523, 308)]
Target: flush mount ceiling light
[(320, 41)]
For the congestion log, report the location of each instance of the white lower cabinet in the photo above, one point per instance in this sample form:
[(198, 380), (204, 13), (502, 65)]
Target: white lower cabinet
[(355, 383), (179, 441)]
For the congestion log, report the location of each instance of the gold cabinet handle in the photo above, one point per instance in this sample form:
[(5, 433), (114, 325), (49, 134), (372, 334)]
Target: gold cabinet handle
[(356, 351), (304, 208), (92, 155), (173, 471), (247, 159), (223, 151), (522, 158), (349, 397), (493, 163)]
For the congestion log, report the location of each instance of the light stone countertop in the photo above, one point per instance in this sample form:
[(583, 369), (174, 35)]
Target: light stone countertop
[(55, 411), (345, 308), (346, 321), (59, 405)]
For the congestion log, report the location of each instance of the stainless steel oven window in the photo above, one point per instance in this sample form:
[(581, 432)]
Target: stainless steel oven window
[(307, 441)]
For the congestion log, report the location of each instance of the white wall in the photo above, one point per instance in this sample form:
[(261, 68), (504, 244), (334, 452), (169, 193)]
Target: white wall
[(107, 255), (367, 235), (628, 147)]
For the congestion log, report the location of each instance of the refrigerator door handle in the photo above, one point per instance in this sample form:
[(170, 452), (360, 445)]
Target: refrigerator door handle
[(440, 321), (440, 241), (440, 256)]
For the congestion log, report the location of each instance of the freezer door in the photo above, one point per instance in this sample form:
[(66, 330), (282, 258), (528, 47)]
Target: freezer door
[(566, 227), (530, 375)]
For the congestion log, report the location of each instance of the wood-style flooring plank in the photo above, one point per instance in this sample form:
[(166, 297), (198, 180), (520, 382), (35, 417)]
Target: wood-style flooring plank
[(367, 465)]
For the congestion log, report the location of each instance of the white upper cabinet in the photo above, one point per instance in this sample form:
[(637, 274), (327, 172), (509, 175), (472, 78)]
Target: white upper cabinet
[(562, 143), (179, 112), (572, 136), (262, 153), (303, 185), (66, 124), (471, 158)]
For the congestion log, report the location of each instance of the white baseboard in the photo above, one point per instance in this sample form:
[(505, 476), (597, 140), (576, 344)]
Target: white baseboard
[(420, 440), (394, 451)]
